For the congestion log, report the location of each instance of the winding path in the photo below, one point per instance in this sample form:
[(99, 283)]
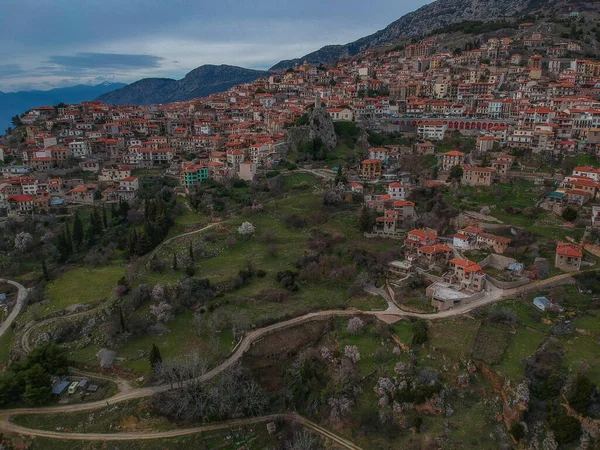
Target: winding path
[(127, 393), (21, 297), (131, 436), (179, 236)]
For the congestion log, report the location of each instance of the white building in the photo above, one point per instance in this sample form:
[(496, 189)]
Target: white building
[(397, 191), (432, 130), (79, 149)]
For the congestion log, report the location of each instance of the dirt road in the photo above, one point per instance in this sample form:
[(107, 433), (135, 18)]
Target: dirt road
[(21, 297)]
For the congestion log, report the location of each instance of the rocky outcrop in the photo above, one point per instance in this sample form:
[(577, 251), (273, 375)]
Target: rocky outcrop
[(321, 126)]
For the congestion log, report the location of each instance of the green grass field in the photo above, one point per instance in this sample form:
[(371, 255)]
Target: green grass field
[(522, 344), (78, 286), (452, 339)]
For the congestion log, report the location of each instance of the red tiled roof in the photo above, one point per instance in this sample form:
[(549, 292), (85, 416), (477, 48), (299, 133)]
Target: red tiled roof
[(402, 203), (436, 248), (568, 249)]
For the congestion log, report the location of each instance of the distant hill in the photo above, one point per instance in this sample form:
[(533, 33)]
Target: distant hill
[(200, 82), (429, 18), (12, 103)]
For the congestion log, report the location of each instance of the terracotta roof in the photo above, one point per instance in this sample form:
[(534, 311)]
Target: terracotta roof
[(436, 248), (21, 198), (422, 234), (501, 239), (568, 249), (469, 266)]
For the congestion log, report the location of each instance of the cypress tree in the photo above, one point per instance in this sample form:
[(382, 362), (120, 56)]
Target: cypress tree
[(191, 252), (95, 222), (121, 320), (45, 270), (77, 230), (123, 209), (155, 357), (104, 218), (68, 238), (174, 261)]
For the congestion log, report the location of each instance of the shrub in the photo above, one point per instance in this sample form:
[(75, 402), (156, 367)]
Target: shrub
[(569, 214), (566, 428), (156, 265), (293, 221), (531, 212), (502, 315), (581, 396), (420, 332), (517, 430)]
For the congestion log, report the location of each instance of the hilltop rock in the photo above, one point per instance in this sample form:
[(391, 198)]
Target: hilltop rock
[(321, 126)]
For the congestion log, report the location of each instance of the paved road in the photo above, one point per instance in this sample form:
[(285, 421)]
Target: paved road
[(21, 297)]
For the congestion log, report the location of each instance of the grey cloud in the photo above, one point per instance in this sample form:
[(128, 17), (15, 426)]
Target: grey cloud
[(10, 70), (82, 61)]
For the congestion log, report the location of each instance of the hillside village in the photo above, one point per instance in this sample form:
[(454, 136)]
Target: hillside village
[(530, 99), (405, 181)]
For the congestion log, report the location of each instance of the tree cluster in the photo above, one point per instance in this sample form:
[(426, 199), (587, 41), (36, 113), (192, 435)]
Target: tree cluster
[(233, 394), (30, 378)]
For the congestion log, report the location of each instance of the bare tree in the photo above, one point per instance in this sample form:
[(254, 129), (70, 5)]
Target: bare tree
[(23, 241), (158, 293), (351, 352), (303, 440), (176, 371), (232, 394), (162, 311), (355, 326)]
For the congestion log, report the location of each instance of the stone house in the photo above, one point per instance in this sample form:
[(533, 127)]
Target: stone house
[(418, 238), (452, 158), (497, 243), (467, 273), (568, 256), (478, 176), (435, 253)]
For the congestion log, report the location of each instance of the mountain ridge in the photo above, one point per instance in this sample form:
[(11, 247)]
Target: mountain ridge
[(12, 103), (200, 82), (420, 22)]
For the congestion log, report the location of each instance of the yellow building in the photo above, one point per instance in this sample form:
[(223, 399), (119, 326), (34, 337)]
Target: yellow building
[(370, 169)]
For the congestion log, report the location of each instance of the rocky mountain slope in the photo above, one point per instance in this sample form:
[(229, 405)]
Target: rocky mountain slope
[(429, 18), (200, 82)]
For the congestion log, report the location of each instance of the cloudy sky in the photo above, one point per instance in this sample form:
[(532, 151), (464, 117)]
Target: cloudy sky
[(53, 43)]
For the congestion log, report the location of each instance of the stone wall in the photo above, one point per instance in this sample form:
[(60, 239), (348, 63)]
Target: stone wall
[(507, 284)]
